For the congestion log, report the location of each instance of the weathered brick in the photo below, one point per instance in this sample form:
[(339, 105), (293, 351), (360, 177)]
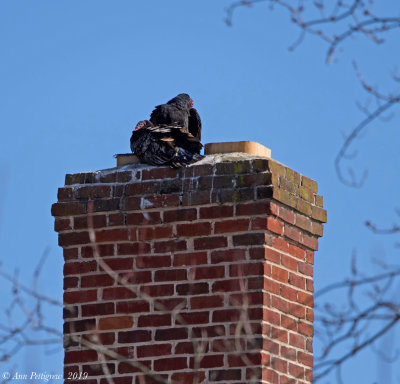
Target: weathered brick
[(93, 192), (180, 215)]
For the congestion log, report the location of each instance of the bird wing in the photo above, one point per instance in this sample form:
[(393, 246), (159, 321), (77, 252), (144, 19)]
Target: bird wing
[(148, 146), (195, 123)]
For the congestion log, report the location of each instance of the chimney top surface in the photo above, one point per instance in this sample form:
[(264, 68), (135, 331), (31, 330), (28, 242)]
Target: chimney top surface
[(235, 150)]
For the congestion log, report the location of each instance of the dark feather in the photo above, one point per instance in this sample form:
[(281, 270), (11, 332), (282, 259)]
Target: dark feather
[(195, 123), (175, 111), (165, 145)]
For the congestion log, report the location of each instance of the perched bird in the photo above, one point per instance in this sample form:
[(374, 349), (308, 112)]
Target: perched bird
[(165, 144), (179, 111)]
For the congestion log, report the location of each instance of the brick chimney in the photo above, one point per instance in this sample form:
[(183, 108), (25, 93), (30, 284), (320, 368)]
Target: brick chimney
[(197, 275)]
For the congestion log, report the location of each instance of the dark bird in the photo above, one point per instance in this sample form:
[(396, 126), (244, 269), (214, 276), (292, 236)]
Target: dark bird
[(165, 144), (179, 111)]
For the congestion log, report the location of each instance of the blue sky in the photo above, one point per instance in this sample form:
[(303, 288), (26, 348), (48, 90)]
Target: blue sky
[(75, 77)]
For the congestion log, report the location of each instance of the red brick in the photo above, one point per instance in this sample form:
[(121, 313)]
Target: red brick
[(297, 310), (303, 222), (96, 221), (136, 277), (226, 226), (159, 173), (296, 251), (227, 285), (244, 359), (289, 262), (191, 230), (271, 346), (160, 201), (310, 242), (146, 218), (170, 364), (305, 269), (288, 293), (305, 358), (192, 289), (133, 248), (287, 215), (210, 242), (180, 215), (228, 255), (288, 353), (153, 261), (73, 238), (154, 320), (296, 371), (72, 357), (280, 244), (205, 273), (79, 268), (279, 334), (249, 239), (297, 281), (193, 318), (210, 361), (130, 368), (65, 194), (98, 309), (195, 258), (297, 341), (115, 322), (170, 275), (133, 306), (142, 188), (293, 234), (271, 286), (70, 254), (68, 209), (218, 211), (131, 203), (153, 350), (289, 323), (134, 336), (93, 192), (103, 280), (225, 315), (172, 304), (201, 302), (170, 246), (101, 249), (279, 274), (306, 329), (254, 208), (171, 334), (119, 264), (81, 296), (158, 290), (108, 235), (62, 225), (70, 282), (150, 233), (279, 365), (247, 269), (310, 257), (118, 293)]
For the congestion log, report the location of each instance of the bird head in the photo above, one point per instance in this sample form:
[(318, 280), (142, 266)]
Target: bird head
[(143, 124)]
